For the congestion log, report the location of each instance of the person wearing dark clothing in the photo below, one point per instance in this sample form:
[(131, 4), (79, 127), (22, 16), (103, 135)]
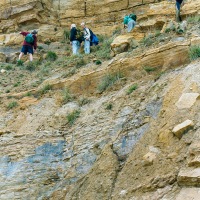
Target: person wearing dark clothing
[(178, 10), (29, 47), (73, 40)]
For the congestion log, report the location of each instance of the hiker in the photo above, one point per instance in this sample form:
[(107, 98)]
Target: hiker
[(178, 10), (73, 40), (29, 44), (129, 23), (86, 32)]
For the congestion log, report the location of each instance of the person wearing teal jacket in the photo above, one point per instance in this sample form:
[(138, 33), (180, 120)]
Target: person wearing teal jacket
[(129, 23)]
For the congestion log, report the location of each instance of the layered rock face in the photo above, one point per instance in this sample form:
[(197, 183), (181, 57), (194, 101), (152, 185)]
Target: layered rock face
[(143, 145)]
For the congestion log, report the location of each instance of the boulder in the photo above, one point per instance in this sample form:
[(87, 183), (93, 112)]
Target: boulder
[(189, 177), (187, 100), (122, 43), (180, 129)]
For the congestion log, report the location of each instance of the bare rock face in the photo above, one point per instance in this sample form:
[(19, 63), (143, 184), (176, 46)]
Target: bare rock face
[(126, 153), (98, 184), (2, 57)]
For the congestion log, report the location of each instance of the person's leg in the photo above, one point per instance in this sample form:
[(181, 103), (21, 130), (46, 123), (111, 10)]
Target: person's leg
[(87, 46), (20, 55), (178, 8), (78, 46), (75, 47), (30, 51), (31, 57)]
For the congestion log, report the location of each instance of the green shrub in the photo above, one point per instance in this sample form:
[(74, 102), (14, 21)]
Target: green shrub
[(31, 66), (69, 73), (193, 19), (98, 62), (149, 69), (28, 94), (80, 62), (194, 52), (117, 31), (66, 96), (109, 106), (20, 63), (45, 89), (47, 42), (12, 105), (105, 50), (8, 67), (17, 84), (108, 80), (132, 88), (51, 56), (71, 118), (148, 40), (83, 101), (40, 47)]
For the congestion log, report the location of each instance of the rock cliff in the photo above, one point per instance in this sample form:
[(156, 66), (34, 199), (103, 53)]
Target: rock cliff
[(138, 139)]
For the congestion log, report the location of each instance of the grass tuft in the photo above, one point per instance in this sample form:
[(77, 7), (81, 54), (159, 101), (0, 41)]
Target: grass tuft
[(194, 52), (71, 118)]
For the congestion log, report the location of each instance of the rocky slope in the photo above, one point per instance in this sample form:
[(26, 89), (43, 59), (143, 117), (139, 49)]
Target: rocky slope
[(142, 144)]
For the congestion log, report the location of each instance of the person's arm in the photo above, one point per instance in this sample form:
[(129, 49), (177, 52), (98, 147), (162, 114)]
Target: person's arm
[(87, 36), (24, 33), (35, 43)]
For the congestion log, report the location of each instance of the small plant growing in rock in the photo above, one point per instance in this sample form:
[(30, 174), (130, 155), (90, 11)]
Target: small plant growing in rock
[(109, 80), (40, 47), (193, 20), (148, 40), (105, 50), (51, 56), (66, 96), (132, 88), (20, 63), (80, 62), (8, 67), (149, 69), (109, 106), (194, 52), (98, 62), (71, 118), (28, 94), (17, 84), (117, 31), (45, 89), (30, 66), (83, 101), (12, 105), (69, 73)]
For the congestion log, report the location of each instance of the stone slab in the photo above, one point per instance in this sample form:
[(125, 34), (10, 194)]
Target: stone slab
[(187, 100)]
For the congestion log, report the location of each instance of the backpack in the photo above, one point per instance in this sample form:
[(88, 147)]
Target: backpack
[(93, 38), (126, 19), (133, 16), (79, 35), (29, 38)]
